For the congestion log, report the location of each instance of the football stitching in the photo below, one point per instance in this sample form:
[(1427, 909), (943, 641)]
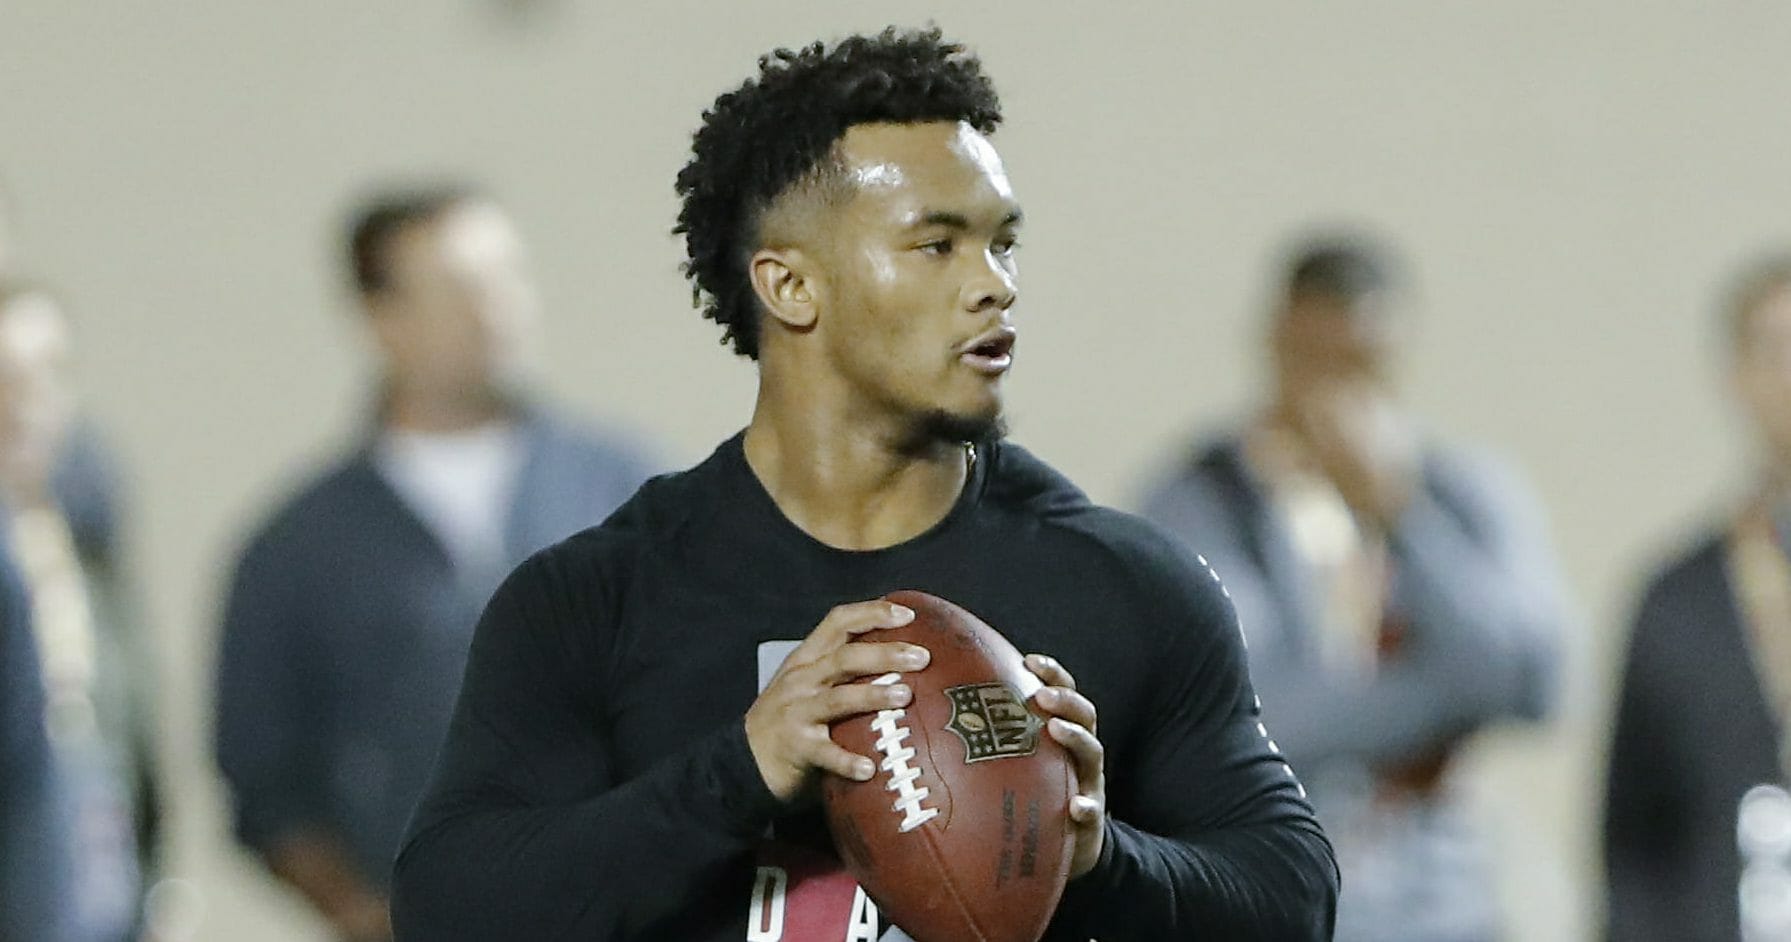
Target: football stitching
[(892, 737)]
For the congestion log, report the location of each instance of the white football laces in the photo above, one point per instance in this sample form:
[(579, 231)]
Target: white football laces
[(892, 739)]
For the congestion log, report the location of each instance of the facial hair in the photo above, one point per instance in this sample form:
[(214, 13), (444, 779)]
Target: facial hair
[(940, 427)]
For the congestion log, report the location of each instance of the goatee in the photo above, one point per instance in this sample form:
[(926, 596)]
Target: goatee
[(953, 428)]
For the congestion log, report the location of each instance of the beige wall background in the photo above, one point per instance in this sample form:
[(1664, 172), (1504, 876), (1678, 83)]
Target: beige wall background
[(1572, 182)]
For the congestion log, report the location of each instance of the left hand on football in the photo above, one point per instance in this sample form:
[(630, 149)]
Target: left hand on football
[(1073, 726)]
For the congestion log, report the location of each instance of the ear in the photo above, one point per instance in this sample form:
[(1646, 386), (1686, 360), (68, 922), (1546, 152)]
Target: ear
[(788, 294)]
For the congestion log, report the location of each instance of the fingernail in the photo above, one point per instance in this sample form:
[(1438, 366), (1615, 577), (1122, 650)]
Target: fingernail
[(901, 614), (915, 658), (863, 770), (899, 694)]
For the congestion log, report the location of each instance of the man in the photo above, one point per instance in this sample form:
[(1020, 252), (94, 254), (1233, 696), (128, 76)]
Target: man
[(1703, 714), (1397, 594), (36, 876), (614, 773), (347, 623), (58, 503)]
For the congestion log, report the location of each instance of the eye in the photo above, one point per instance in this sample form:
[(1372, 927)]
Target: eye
[(1006, 245), (940, 247)]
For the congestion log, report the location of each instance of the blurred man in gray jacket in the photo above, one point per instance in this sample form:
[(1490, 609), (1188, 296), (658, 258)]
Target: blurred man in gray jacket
[(1397, 595)]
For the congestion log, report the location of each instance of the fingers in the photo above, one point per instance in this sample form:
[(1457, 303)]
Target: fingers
[(1085, 750), (1049, 671), (856, 618), (1059, 697), (870, 659), (786, 726), (821, 752), (1067, 703), (845, 622), (1072, 725), (853, 699)]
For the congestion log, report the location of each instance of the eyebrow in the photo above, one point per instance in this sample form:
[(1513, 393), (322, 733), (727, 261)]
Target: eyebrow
[(952, 220)]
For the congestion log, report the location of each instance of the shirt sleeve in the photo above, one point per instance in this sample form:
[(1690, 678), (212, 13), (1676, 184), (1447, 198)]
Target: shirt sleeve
[(527, 831), (267, 691), (1209, 833)]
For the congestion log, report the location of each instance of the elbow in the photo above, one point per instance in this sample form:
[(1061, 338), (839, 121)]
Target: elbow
[(1510, 674), (434, 894), (1297, 887), (1534, 687), (1319, 884), (448, 886), (419, 909), (1301, 904)]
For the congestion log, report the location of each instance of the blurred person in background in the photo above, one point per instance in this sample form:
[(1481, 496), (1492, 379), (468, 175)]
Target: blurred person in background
[(347, 623), (1706, 694), (35, 879), (1397, 594), (59, 499)]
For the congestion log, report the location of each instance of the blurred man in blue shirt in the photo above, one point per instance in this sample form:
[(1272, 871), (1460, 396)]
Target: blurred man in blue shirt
[(348, 619)]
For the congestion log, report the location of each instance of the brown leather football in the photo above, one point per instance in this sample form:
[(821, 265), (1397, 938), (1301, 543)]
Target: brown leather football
[(963, 835)]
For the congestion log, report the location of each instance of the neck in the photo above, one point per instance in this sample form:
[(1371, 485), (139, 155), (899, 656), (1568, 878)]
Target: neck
[(849, 480), (410, 411)]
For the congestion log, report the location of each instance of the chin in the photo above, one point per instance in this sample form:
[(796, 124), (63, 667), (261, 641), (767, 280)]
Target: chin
[(955, 427)]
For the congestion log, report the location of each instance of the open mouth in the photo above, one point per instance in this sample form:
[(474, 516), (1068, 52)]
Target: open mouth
[(993, 354)]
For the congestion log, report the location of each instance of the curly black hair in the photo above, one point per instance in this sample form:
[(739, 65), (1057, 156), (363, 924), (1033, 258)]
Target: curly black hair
[(777, 131)]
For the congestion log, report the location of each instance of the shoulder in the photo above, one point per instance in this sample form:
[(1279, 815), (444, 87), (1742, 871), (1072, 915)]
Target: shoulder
[(1022, 484), (1195, 482), (1163, 576), (1694, 575), (320, 495), (658, 512), (1683, 604), (1473, 472), (324, 507), (85, 482), (590, 443)]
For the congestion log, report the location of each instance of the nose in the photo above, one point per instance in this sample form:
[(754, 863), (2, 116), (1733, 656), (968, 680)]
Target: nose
[(993, 286)]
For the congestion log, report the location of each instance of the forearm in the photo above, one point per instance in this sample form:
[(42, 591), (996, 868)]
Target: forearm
[(600, 870), (1487, 620), (1264, 881)]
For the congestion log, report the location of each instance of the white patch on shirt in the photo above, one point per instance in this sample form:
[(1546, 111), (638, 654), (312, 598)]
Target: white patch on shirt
[(772, 655), (460, 485)]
